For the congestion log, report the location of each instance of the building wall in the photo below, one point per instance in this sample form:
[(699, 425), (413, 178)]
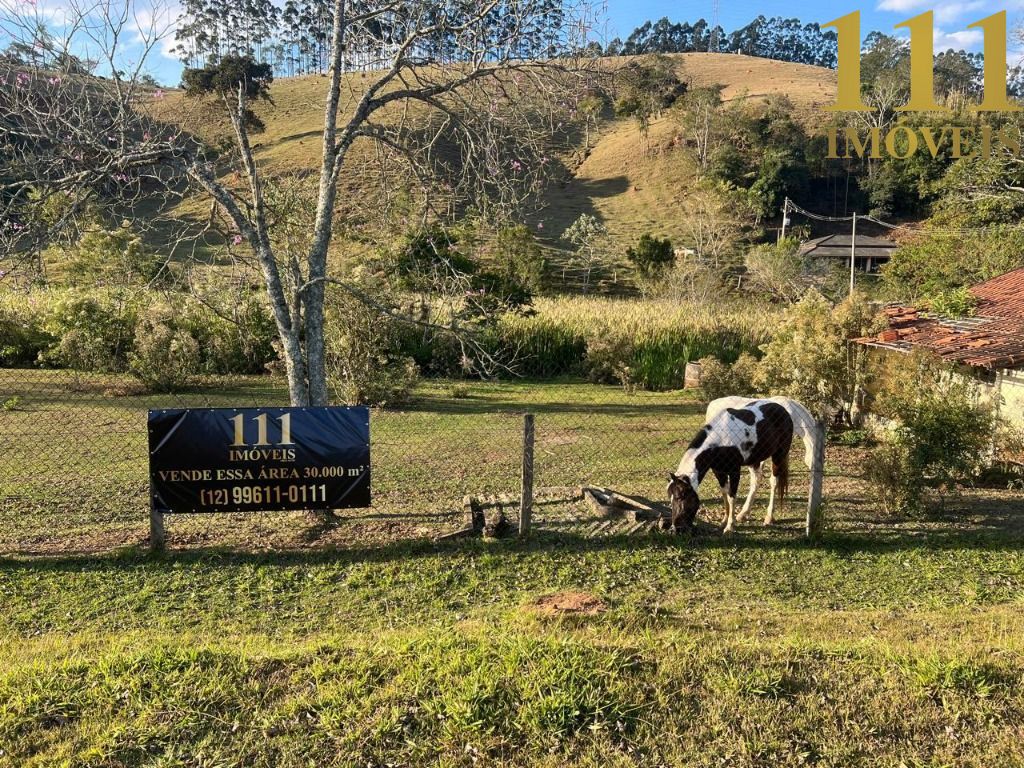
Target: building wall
[(1012, 390)]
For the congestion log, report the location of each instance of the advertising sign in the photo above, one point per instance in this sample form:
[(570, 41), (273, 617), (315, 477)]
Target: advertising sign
[(251, 459)]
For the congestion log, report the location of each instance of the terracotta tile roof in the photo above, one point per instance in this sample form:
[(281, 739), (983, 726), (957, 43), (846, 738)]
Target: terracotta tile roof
[(1002, 296), (992, 338)]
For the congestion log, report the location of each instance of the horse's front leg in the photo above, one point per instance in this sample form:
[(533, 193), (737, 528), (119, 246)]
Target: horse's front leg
[(755, 474)]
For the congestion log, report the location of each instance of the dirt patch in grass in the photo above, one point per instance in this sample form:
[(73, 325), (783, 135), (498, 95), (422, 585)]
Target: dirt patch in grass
[(570, 603)]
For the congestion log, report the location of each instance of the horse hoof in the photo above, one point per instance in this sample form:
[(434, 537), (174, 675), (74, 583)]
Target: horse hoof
[(728, 531), (769, 521)]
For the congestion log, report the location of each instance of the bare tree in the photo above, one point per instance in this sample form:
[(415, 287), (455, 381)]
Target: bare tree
[(450, 97), (701, 119), (587, 234), (714, 217)]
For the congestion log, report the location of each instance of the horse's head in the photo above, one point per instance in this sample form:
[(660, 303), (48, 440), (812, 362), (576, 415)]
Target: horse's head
[(684, 500)]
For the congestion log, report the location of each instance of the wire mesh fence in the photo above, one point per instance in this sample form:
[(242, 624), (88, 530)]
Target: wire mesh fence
[(74, 471)]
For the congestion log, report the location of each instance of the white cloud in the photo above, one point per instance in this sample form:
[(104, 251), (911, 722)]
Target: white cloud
[(951, 19), (901, 6), (155, 25), (966, 39), (950, 12)]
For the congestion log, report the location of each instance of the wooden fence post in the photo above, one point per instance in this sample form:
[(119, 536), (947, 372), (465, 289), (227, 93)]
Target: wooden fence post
[(526, 495), (814, 518), (156, 529)]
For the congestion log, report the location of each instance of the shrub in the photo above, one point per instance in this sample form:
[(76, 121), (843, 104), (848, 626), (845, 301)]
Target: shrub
[(955, 302), (236, 336), (166, 355), (719, 379), (652, 256), (609, 358), (942, 433), (779, 270), (22, 336), (364, 358), (812, 360), (113, 256), (93, 331), (519, 262), (935, 264)]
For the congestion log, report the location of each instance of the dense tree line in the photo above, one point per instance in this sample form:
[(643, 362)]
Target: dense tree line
[(293, 39), (775, 38), (791, 40)]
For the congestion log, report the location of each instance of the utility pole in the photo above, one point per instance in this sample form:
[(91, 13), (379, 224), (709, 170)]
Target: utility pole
[(853, 251), (713, 38)]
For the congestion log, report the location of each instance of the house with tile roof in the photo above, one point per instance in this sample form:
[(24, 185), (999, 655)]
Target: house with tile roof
[(870, 253), (989, 344)]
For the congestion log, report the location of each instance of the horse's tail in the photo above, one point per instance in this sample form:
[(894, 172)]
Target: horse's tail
[(805, 425), (781, 471)]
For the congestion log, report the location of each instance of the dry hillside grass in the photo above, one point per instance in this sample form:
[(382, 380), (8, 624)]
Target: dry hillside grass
[(634, 185)]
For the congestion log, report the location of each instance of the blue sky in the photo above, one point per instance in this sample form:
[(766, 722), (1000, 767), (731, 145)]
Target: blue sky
[(951, 18), (622, 16)]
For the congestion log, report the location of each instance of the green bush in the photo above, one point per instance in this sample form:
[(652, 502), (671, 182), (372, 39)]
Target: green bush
[(922, 270), (113, 256), (941, 436), (651, 256), (955, 302), (610, 357), (779, 271), (812, 360), (166, 355), (93, 331), (365, 361), (235, 337), (23, 339), (719, 379)]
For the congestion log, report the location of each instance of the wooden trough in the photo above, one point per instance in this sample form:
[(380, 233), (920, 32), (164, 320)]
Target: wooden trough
[(489, 516)]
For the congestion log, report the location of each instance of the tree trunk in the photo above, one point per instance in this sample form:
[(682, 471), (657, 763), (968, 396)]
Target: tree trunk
[(317, 262)]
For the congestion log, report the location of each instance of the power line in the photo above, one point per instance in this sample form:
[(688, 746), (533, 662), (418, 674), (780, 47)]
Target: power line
[(790, 206)]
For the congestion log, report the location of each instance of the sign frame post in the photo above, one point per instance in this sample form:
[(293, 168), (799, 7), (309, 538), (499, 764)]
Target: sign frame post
[(157, 540)]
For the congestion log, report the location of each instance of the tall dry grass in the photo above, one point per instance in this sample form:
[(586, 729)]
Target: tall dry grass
[(644, 343)]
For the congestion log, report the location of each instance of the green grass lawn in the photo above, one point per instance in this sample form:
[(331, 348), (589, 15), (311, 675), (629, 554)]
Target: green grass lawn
[(269, 641)]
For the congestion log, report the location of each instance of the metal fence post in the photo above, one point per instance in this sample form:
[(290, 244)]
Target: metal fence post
[(526, 495), (156, 529), (814, 516)]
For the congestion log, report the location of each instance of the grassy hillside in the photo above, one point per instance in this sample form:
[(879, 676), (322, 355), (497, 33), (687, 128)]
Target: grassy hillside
[(634, 185), (637, 186)]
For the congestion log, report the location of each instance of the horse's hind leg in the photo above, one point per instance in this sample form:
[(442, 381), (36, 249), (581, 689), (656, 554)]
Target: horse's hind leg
[(769, 517), (755, 475), (780, 469)]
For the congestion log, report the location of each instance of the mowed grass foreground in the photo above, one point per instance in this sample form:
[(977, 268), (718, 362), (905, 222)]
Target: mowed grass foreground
[(885, 643)]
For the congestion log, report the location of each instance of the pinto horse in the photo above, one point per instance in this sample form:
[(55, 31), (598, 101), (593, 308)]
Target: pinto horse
[(731, 440), (804, 426)]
